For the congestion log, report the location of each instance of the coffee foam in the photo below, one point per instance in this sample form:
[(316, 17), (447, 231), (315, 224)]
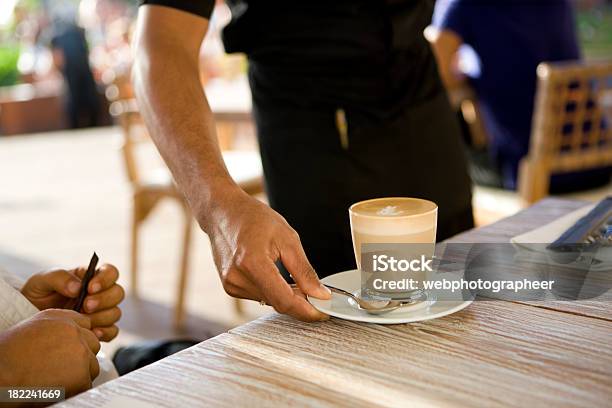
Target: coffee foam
[(389, 210), (394, 226), (393, 216), (393, 207)]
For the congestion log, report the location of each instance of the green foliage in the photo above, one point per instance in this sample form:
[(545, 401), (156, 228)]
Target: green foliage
[(9, 75), (595, 31), (30, 4)]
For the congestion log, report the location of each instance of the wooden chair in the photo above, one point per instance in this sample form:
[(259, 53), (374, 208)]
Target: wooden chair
[(149, 189), (571, 130)]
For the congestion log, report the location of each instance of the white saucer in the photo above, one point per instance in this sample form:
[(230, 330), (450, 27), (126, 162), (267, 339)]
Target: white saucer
[(339, 306)]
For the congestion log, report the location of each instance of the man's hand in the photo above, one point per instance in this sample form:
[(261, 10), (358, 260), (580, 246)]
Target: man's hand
[(59, 289), (53, 348), (247, 238)]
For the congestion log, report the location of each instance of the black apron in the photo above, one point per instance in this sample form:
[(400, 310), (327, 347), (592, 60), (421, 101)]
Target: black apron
[(369, 60)]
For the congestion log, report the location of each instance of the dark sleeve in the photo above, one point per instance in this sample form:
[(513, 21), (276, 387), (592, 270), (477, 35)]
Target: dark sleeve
[(452, 15), (202, 8)]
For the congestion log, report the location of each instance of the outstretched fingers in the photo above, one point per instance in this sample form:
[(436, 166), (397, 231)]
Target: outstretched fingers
[(278, 293)]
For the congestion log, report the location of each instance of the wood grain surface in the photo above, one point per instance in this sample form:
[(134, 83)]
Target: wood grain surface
[(540, 214), (492, 354)]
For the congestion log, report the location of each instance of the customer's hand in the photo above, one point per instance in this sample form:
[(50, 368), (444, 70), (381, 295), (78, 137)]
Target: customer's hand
[(247, 237), (53, 348), (60, 288)]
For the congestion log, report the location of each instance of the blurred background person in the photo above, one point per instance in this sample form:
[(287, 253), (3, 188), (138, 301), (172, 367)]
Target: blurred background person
[(71, 57), (496, 47)]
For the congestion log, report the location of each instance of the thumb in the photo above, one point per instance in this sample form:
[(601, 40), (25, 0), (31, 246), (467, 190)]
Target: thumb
[(293, 257), (59, 280)]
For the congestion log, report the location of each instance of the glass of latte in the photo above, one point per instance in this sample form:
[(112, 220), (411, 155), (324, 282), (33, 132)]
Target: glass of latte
[(393, 238)]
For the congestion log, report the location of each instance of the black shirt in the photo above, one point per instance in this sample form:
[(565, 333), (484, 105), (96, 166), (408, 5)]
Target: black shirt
[(365, 55)]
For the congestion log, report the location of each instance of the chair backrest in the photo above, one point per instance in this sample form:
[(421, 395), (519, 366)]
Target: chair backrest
[(133, 132), (124, 109), (119, 86), (571, 126)]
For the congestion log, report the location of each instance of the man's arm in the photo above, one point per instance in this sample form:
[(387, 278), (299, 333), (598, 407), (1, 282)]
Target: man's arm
[(172, 101), (445, 44), (247, 237)]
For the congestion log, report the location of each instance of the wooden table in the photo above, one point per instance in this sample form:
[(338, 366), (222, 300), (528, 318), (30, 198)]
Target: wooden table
[(493, 353)]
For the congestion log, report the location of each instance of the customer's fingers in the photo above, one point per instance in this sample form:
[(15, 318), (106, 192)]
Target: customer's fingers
[(94, 367), (105, 278), (294, 258), (80, 319), (106, 317), (58, 280), (90, 340), (106, 333), (104, 300), (79, 271)]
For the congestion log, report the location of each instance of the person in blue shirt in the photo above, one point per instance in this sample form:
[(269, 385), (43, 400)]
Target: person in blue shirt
[(500, 44)]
